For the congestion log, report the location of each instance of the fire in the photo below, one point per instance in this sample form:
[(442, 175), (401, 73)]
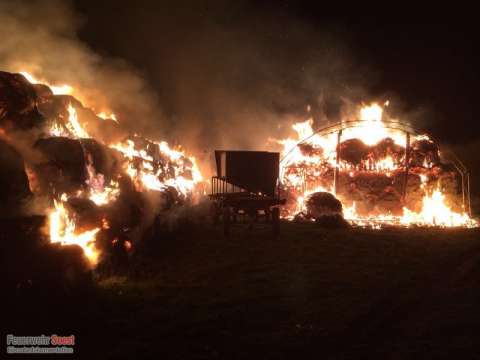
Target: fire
[(56, 89), (100, 193), (143, 170), (372, 129), (63, 230), (73, 125), (71, 128), (103, 115), (311, 162), (151, 165), (436, 212)]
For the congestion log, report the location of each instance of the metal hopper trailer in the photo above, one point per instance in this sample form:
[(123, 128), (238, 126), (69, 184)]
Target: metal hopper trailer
[(246, 187)]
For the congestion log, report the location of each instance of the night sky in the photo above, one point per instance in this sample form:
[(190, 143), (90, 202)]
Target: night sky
[(183, 48)]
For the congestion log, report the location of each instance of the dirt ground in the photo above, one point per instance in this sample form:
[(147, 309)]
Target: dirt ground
[(312, 293)]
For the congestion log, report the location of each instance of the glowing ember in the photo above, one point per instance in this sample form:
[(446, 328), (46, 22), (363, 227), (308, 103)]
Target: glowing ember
[(63, 231)]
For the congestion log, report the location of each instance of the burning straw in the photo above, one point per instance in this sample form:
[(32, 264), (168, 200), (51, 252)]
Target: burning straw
[(382, 172)]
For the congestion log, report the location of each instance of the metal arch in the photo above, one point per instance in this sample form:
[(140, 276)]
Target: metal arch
[(407, 129)]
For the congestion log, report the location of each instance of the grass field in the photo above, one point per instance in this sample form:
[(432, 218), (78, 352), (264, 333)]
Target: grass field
[(312, 293)]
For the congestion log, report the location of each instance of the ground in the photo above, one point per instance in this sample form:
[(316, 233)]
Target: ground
[(312, 293)]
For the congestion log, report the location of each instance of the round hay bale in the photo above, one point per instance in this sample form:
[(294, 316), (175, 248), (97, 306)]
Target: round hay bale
[(353, 151), (18, 102), (64, 169), (323, 203)]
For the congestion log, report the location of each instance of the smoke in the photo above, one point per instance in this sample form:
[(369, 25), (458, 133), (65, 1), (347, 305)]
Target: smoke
[(215, 75), (40, 37), (225, 77)]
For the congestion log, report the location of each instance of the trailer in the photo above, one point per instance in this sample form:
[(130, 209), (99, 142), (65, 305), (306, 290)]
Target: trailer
[(246, 188)]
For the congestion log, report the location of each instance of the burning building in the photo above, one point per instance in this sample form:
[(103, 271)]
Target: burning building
[(381, 170)]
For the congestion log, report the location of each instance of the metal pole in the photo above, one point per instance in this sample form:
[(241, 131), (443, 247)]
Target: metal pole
[(468, 195), (407, 166), (335, 174)]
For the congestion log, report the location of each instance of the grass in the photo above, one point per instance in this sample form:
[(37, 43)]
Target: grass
[(333, 293), (329, 294)]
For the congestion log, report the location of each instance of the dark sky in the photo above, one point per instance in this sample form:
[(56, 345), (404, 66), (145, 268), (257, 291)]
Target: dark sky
[(206, 59)]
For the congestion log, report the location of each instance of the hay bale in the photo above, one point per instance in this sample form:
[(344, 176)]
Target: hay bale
[(18, 103), (322, 203), (424, 152), (310, 150), (64, 167), (353, 151), (387, 147)]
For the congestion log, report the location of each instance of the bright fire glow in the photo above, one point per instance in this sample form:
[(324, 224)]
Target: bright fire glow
[(436, 212), (63, 231), (56, 89), (103, 115), (152, 166), (73, 125), (309, 162), (100, 193), (140, 167)]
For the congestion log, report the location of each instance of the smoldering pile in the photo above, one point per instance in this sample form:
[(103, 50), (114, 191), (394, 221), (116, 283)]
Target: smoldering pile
[(96, 187)]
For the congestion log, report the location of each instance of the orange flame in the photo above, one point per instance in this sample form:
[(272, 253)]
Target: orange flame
[(63, 231), (370, 130)]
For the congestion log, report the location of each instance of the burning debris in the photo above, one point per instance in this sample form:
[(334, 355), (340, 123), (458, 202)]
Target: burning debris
[(94, 175), (381, 171)]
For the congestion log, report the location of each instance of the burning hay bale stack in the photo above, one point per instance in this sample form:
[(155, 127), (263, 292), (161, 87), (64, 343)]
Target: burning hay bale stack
[(97, 185), (378, 173)]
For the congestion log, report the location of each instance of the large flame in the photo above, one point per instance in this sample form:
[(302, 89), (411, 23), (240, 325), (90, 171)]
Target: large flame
[(56, 89), (156, 166), (63, 230), (100, 193), (311, 156), (140, 167)]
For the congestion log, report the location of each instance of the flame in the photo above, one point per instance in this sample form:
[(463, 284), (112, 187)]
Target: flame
[(436, 212), (310, 159), (63, 231), (167, 167), (56, 89), (145, 176), (73, 125), (100, 193), (111, 116), (372, 129)]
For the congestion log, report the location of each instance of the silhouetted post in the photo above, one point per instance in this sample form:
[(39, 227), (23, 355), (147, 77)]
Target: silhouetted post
[(337, 165), (407, 167)]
